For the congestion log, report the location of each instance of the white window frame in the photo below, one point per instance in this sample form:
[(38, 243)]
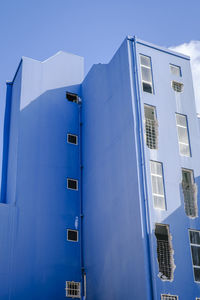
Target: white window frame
[(67, 289), (185, 127), (72, 180), (196, 245), (73, 231), (154, 194), (168, 295), (149, 68), (74, 135)]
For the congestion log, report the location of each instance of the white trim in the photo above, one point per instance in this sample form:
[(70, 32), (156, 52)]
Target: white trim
[(73, 231)]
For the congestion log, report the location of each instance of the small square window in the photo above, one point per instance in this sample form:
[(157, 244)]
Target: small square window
[(72, 184), (73, 289), (175, 70), (72, 235), (72, 97), (72, 139)]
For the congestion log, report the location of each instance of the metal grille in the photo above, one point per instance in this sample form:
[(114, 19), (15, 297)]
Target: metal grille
[(177, 86), (169, 297), (164, 260), (190, 200), (73, 289), (164, 252), (151, 131)]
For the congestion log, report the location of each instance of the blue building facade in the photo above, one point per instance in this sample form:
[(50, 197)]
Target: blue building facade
[(100, 177)]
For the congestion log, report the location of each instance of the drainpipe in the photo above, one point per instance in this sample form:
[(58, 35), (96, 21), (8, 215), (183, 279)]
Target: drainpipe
[(83, 274), (141, 156)]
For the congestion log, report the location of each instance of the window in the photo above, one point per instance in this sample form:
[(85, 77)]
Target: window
[(195, 251), (177, 86), (73, 289), (151, 127), (72, 97), (169, 297), (146, 72), (157, 185), (164, 252), (175, 70), (72, 139), (72, 184), (72, 235), (183, 140), (190, 193)]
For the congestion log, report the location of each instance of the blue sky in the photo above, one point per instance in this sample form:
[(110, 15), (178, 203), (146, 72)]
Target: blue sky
[(93, 29)]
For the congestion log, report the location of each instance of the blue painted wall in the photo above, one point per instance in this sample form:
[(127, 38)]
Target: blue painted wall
[(120, 244), (38, 208), (114, 235)]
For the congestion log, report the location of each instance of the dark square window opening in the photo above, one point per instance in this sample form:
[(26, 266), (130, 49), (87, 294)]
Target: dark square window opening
[(72, 235), (72, 184)]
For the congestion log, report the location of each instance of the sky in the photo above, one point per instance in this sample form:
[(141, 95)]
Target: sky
[(89, 28)]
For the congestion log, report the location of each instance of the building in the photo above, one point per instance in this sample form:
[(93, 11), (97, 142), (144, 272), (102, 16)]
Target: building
[(100, 179)]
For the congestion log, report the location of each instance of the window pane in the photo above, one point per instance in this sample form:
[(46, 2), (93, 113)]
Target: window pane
[(181, 120), (147, 87), (160, 185), (195, 255), (182, 135), (197, 274), (175, 70), (195, 237), (149, 112), (184, 150), (159, 202), (145, 61), (146, 74)]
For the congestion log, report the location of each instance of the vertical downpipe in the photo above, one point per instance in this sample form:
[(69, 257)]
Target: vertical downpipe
[(83, 275), (140, 146)]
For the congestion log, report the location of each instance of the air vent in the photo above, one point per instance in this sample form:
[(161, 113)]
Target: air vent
[(177, 86), (169, 297), (72, 235), (72, 97), (73, 289)]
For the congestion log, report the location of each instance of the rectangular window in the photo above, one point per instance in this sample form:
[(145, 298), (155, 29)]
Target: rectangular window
[(195, 251), (72, 139), (151, 127), (175, 70), (157, 185), (72, 184), (183, 139), (73, 289), (72, 235), (146, 72), (190, 193), (164, 252), (169, 297)]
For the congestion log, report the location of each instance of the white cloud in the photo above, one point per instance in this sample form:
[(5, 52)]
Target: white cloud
[(192, 49)]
